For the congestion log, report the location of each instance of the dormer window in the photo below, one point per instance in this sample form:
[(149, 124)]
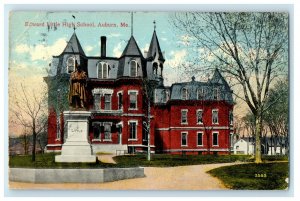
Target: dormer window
[(184, 95), (103, 70), (200, 93), (70, 65), (133, 68), (164, 96), (216, 93)]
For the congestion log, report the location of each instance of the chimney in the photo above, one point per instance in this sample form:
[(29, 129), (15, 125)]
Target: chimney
[(103, 46)]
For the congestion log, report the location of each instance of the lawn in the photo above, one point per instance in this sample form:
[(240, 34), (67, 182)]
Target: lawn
[(265, 176), (157, 160)]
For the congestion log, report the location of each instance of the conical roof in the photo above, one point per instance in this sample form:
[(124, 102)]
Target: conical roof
[(74, 45), (132, 49), (154, 48)]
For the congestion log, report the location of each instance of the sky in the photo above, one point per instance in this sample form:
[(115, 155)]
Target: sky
[(32, 46), (32, 43)]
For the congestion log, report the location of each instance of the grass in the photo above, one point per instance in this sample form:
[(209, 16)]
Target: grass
[(167, 160), (265, 176), (48, 161), (157, 160)]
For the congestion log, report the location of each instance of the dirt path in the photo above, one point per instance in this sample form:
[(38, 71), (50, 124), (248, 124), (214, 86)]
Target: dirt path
[(172, 178), (107, 159)]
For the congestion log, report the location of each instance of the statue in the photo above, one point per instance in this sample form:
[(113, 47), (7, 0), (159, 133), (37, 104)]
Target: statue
[(77, 92)]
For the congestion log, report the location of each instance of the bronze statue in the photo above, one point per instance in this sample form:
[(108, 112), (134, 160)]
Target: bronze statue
[(77, 92)]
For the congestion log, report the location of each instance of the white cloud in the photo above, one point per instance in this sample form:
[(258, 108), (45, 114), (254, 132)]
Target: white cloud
[(117, 51), (184, 39), (22, 48), (145, 48), (115, 35), (164, 39), (42, 52), (177, 57), (88, 48), (173, 69)]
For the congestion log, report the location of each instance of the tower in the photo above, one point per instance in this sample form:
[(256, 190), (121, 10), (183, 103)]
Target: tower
[(155, 60)]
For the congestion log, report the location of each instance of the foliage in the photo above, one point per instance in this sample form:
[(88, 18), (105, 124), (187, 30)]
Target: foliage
[(265, 176), (249, 48)]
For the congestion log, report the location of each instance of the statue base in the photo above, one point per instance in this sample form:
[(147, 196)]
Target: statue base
[(76, 148)]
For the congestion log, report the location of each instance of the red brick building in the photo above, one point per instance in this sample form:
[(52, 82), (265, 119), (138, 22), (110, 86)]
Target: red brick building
[(191, 117)]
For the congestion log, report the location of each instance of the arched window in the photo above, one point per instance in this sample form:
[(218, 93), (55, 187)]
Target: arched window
[(133, 68), (102, 70), (161, 68), (154, 67), (70, 65), (184, 95), (201, 93)]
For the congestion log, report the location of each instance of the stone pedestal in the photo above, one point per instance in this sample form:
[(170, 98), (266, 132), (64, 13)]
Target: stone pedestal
[(76, 147)]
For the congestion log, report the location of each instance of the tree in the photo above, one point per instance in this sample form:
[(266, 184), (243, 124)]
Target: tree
[(276, 116), (148, 91), (249, 48), (29, 111)]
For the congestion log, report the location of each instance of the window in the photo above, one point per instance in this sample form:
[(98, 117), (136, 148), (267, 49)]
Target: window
[(215, 117), (103, 70), (120, 100), (96, 131), (154, 67), (230, 117), (164, 96), (97, 101), (200, 139), (161, 68), (200, 93), (215, 139), (132, 100), (184, 95), (216, 93), (107, 101), (133, 68), (70, 65), (184, 139), (132, 130), (107, 131), (184, 116), (199, 117)]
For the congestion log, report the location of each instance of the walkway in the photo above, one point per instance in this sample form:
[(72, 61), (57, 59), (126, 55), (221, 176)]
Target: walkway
[(170, 178)]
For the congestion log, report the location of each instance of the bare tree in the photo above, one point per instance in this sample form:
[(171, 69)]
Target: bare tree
[(29, 111), (249, 48), (276, 117), (25, 141), (148, 91)]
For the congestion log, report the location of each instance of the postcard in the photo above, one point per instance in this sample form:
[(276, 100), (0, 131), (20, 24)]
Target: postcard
[(149, 100)]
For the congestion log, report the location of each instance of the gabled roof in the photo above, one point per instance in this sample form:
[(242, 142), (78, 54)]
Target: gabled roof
[(74, 46), (132, 49), (154, 48), (219, 79)]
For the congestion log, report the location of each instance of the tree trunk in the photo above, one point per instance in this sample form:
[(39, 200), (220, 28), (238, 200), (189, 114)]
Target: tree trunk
[(148, 132), (33, 142), (258, 129)]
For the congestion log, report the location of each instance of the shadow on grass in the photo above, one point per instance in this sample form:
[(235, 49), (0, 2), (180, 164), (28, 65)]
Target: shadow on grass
[(265, 176)]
